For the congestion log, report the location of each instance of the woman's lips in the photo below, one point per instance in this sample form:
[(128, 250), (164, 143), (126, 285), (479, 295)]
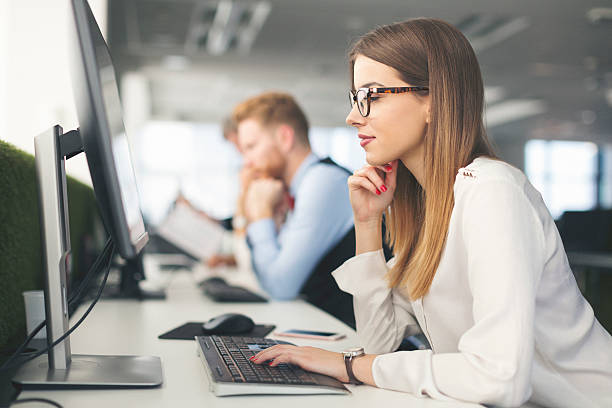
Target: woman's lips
[(365, 139)]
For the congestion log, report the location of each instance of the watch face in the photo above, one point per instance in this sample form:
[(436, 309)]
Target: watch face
[(239, 222), (352, 352)]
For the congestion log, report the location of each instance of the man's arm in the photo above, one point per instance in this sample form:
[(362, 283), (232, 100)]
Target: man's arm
[(321, 217)]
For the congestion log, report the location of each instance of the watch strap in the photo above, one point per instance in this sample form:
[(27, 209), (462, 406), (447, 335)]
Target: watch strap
[(348, 362)]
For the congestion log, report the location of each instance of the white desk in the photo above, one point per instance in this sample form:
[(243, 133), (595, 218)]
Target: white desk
[(131, 327)]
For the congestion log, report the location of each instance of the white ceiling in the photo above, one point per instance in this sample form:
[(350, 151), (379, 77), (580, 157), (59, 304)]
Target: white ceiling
[(553, 59)]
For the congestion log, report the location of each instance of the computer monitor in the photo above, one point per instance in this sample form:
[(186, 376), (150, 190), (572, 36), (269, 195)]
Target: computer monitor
[(102, 137), (103, 134), (106, 145)]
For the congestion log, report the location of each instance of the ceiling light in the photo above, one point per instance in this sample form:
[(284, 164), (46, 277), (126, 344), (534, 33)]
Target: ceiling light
[(512, 110), (485, 31), (236, 24), (246, 37), (500, 33), (493, 94), (599, 15)]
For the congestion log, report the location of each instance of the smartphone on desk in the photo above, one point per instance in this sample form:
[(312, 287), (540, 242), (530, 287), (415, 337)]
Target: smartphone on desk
[(308, 334)]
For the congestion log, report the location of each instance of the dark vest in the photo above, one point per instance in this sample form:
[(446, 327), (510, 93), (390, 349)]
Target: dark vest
[(321, 288)]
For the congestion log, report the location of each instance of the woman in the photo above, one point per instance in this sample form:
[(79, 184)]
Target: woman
[(479, 266)]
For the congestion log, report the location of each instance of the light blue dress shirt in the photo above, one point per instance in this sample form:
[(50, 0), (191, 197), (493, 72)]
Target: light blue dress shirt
[(321, 217)]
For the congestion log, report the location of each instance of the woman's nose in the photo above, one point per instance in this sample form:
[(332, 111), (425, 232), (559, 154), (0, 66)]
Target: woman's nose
[(354, 118)]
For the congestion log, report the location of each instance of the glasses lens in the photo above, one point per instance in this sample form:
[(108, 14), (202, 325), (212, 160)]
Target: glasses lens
[(362, 102)]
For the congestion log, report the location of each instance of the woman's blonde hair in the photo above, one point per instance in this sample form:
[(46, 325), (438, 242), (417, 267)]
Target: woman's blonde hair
[(433, 53)]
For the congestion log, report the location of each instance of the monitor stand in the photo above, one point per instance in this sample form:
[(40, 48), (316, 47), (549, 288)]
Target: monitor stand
[(59, 368), (131, 272)]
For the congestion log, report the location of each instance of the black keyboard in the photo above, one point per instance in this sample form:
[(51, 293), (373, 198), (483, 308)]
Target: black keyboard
[(227, 358), (220, 291)]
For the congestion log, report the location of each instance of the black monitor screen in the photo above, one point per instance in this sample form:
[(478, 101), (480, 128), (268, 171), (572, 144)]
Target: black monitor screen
[(102, 131)]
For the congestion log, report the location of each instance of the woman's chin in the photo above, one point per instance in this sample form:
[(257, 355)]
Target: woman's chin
[(377, 160)]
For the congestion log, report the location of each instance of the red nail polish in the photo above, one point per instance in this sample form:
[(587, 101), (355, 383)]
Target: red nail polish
[(388, 167), (377, 192), (383, 188)]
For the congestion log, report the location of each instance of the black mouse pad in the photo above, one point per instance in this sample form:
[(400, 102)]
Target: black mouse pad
[(189, 330)]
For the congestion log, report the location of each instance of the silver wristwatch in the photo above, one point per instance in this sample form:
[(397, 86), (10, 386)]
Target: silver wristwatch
[(239, 222), (349, 356)]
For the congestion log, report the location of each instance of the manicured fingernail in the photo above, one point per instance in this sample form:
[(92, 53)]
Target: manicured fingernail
[(270, 364), (383, 188), (377, 192), (252, 358), (388, 167)]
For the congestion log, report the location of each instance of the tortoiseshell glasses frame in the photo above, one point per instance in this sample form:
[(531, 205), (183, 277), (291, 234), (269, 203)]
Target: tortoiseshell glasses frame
[(363, 96)]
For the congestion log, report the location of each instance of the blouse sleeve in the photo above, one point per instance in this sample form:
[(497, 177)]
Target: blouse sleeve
[(504, 241), (383, 317)]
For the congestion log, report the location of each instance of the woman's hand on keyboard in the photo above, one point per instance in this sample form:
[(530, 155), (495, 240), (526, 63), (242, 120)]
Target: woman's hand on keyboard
[(308, 358), (317, 360)]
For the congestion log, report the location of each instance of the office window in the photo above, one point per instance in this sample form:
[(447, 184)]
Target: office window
[(564, 172), (193, 158), (339, 143), (606, 177)]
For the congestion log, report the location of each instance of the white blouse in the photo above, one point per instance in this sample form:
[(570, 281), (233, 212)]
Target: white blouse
[(504, 316)]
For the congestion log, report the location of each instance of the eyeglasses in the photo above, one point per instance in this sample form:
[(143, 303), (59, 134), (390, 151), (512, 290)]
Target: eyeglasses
[(363, 96)]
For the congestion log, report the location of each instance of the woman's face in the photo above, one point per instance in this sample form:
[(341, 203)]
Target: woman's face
[(395, 127)]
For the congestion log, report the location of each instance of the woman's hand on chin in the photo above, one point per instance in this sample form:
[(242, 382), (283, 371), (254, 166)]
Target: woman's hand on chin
[(371, 190)]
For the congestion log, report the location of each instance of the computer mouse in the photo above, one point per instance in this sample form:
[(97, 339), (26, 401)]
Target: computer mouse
[(229, 323), (213, 280)]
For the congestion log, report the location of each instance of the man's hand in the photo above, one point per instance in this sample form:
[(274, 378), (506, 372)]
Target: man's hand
[(221, 260), (262, 197), (248, 175)]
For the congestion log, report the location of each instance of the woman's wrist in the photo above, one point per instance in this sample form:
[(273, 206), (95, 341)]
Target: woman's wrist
[(368, 235), (370, 223), (362, 369)]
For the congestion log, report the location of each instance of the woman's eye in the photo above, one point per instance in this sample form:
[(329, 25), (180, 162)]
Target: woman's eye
[(374, 98)]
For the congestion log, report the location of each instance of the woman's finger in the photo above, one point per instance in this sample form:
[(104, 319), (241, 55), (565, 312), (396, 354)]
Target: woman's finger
[(277, 355), (269, 354), (391, 176), (372, 174), (387, 168), (362, 182), (265, 354)]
